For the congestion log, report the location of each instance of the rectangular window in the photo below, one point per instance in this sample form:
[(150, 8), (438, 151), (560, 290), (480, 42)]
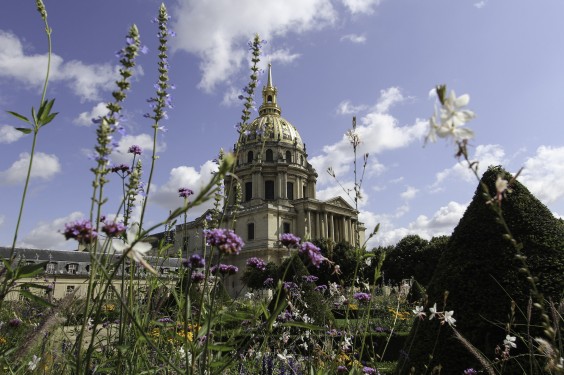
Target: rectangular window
[(251, 231), (269, 190), (72, 268), (290, 190), (51, 268), (70, 289), (287, 228), (248, 191)]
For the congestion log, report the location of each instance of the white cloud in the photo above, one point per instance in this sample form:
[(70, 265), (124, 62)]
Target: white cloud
[(542, 174), (480, 4), (361, 6), (2, 219), (378, 132), (145, 141), (48, 235), (45, 166), (86, 81), (85, 118), (284, 56), (227, 26), (486, 155), (9, 134), (188, 177), (409, 193), (346, 108), (441, 223), (354, 38)]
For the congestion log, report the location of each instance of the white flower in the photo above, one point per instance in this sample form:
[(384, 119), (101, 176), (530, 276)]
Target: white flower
[(433, 311), (284, 356), (450, 120), (32, 365), (419, 312), (449, 319), (133, 248), (510, 341)]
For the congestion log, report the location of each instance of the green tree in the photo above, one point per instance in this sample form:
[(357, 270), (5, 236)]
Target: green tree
[(480, 271), (404, 260)]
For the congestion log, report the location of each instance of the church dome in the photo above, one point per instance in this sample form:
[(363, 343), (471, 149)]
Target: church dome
[(270, 126)]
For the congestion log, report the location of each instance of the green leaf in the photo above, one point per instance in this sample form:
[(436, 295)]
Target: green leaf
[(49, 118), (24, 130), (220, 348), (33, 116), (27, 294), (45, 112), (17, 115), (30, 270)]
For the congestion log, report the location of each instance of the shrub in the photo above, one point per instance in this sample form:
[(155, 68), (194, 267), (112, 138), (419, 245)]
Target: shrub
[(481, 274)]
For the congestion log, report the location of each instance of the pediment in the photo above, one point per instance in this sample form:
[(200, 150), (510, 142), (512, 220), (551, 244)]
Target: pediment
[(339, 202)]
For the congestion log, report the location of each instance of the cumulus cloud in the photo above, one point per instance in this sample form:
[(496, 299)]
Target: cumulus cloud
[(47, 235), (45, 166), (227, 26), (409, 193), (284, 56), (378, 131), (542, 174), (354, 38), (347, 108), (361, 6), (443, 222), (86, 81), (188, 177), (85, 118), (145, 141), (9, 134)]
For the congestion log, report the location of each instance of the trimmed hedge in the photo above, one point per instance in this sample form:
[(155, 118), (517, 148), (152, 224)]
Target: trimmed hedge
[(480, 272)]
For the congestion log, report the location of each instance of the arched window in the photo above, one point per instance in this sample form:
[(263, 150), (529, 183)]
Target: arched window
[(251, 231), (269, 190), (269, 155), (269, 98), (250, 157), (288, 157)]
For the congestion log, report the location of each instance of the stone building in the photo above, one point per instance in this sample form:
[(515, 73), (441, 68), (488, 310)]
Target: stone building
[(278, 194)]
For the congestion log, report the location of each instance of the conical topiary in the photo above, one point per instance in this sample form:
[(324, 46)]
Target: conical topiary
[(481, 274)]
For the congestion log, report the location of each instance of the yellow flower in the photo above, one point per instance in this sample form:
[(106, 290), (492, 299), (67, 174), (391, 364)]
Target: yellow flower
[(3, 341)]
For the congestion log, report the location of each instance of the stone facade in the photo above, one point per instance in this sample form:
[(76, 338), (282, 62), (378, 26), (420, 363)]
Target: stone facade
[(278, 195)]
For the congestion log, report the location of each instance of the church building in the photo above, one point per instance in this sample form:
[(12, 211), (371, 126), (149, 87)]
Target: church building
[(278, 195)]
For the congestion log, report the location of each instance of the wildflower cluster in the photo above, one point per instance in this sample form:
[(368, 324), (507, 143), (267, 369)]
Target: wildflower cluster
[(224, 269), (113, 228), (256, 263), (80, 230), (362, 297), (443, 316), (185, 192), (313, 253), (289, 240), (451, 117), (225, 240), (194, 261)]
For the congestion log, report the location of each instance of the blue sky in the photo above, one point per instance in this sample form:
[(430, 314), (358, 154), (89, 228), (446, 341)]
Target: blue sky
[(332, 59)]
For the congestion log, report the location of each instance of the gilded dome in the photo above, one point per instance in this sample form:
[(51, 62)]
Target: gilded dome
[(270, 125)]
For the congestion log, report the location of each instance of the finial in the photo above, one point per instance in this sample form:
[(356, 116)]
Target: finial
[(269, 83)]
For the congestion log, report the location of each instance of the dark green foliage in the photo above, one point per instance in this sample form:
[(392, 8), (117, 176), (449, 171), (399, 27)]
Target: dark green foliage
[(342, 254), (404, 261), (254, 278), (480, 272)]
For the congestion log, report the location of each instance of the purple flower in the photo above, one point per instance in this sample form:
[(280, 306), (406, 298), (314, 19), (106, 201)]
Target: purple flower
[(370, 370), (313, 253), (194, 261), (224, 269), (257, 263), (268, 282), (470, 371), (288, 239), (166, 320), (310, 278), (15, 323), (289, 286), (80, 230), (198, 277), (185, 192), (122, 168), (342, 369), (225, 240), (321, 288), (135, 150), (362, 297), (113, 229)]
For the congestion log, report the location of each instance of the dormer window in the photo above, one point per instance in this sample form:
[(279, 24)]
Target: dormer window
[(51, 267), (72, 268)]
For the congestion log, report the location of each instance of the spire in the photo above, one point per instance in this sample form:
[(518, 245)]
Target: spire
[(269, 105)]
